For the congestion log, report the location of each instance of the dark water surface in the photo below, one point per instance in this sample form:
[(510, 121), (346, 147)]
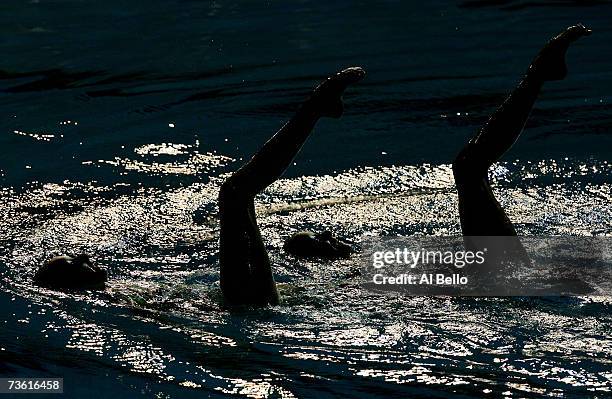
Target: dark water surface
[(120, 120)]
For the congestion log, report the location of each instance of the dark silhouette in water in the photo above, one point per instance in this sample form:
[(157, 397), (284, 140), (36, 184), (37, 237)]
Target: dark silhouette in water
[(70, 272), (480, 213), (307, 243), (246, 273)]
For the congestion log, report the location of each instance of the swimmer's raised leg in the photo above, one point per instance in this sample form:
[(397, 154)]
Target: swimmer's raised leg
[(270, 162), (246, 274), (480, 213)]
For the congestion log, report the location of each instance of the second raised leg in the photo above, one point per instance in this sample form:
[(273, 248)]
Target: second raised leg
[(480, 213)]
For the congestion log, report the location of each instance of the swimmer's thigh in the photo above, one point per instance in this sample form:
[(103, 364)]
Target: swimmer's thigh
[(480, 212), (234, 246)]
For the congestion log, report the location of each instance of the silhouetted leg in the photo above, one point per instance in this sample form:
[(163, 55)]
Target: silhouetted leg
[(246, 274), (483, 219), (480, 213)]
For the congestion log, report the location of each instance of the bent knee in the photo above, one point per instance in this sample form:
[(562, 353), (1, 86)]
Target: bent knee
[(230, 191), (460, 169), (465, 170), (227, 189), (235, 188)]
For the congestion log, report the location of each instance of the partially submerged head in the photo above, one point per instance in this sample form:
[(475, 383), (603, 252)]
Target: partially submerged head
[(70, 272), (307, 243)]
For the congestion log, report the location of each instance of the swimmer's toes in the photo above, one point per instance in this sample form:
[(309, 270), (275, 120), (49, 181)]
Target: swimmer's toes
[(327, 97), (349, 76), (336, 84), (572, 33)]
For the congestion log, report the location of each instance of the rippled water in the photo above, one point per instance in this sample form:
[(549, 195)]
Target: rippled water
[(120, 120)]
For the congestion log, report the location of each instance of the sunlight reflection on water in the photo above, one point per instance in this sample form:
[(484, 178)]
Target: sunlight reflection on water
[(161, 314)]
